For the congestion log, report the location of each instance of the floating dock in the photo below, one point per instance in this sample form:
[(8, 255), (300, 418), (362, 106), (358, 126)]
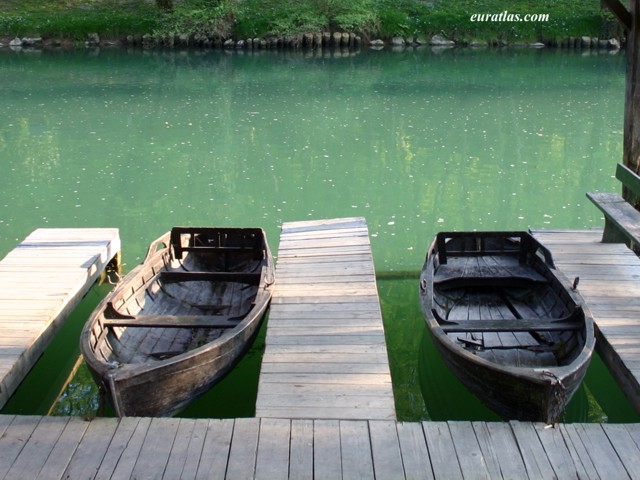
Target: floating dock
[(609, 276), (325, 355), (41, 281)]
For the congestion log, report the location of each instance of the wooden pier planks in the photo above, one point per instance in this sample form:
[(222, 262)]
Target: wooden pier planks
[(325, 353), (270, 448), (41, 282), (610, 284)]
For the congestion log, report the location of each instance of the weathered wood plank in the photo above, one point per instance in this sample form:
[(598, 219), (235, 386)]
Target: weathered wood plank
[(327, 453), (273, 449), (578, 452), (315, 339), (244, 449), (415, 456), (355, 449), (327, 411), (489, 451), (155, 452), (301, 454), (337, 329), (64, 450), (471, 459), (509, 456), (86, 460), (294, 386), (313, 299), (625, 447), (180, 449), (37, 448), (385, 444), (330, 309), (330, 233), (335, 370), (120, 458), (316, 357), (344, 290), (315, 225), (14, 438), (533, 453), (215, 450), (594, 442), (557, 452), (338, 401), (287, 243), (442, 451), (194, 451)]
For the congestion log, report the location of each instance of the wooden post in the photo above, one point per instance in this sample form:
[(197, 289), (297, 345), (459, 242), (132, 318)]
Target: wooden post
[(630, 19), (631, 145)]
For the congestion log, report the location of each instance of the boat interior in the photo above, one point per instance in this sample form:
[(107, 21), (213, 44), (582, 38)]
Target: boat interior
[(500, 302), (199, 285)]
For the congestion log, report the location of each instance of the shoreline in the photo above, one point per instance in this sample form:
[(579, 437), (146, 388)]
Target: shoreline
[(308, 41)]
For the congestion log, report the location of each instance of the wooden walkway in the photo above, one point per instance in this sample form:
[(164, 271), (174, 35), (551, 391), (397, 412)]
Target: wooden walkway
[(273, 449), (325, 353), (266, 447), (610, 284), (41, 282)]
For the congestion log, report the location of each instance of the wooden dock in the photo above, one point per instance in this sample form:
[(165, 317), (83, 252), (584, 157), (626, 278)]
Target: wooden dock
[(270, 448), (41, 282), (610, 284), (326, 354), (266, 447)]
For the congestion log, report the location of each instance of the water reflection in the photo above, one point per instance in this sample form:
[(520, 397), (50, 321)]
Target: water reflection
[(415, 142)]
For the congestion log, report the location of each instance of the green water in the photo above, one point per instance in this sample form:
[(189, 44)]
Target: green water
[(415, 142)]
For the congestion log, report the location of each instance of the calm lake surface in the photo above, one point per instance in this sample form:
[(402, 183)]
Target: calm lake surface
[(415, 142)]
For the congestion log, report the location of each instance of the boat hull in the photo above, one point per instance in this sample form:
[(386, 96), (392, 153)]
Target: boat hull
[(169, 388), (526, 374)]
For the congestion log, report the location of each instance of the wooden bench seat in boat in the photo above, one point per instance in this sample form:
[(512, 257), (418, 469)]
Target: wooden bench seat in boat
[(622, 220), (179, 276), (509, 325), (458, 276), (174, 321)]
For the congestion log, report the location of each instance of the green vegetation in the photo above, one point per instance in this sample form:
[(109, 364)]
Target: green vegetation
[(76, 18), (257, 18)]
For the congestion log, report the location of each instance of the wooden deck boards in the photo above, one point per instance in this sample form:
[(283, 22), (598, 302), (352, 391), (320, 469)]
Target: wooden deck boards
[(333, 448), (325, 353), (41, 282), (609, 274), (272, 448)]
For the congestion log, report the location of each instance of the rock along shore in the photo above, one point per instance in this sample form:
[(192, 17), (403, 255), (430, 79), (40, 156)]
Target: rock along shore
[(317, 40)]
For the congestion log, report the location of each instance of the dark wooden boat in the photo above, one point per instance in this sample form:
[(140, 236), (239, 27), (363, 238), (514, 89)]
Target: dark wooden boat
[(178, 322), (506, 322)]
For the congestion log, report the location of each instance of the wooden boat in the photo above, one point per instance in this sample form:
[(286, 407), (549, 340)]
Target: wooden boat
[(506, 322), (178, 322)]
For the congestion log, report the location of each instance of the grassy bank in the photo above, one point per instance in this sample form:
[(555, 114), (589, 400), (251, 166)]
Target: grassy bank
[(74, 19)]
